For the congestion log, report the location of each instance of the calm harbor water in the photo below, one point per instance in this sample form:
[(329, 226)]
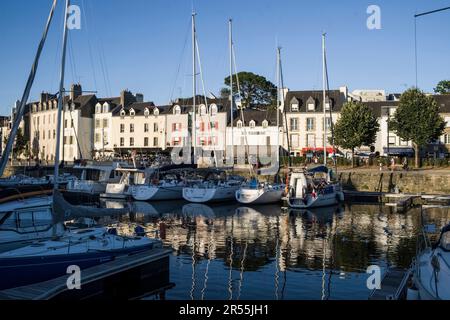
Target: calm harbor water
[(231, 252)]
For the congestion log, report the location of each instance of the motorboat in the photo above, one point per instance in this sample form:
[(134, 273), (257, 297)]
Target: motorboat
[(431, 275), (49, 259), (93, 178), (313, 188), (260, 193), (130, 177)]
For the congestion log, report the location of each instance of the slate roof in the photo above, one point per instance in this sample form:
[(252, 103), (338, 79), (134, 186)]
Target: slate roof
[(337, 97)]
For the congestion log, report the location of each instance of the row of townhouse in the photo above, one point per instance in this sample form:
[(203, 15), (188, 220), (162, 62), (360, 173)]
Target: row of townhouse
[(306, 122), (95, 127)]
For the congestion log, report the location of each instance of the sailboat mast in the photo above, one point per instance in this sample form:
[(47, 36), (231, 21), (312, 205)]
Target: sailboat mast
[(61, 97), (230, 26), (21, 109), (194, 87), (324, 102), (278, 103)]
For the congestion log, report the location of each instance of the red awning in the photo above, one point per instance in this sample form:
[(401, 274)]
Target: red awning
[(309, 150)]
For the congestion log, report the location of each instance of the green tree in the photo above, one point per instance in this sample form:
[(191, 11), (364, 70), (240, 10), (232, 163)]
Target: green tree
[(357, 127), (255, 89), (443, 87), (21, 143), (417, 119)]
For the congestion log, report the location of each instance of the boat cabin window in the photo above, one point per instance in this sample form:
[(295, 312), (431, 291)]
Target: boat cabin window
[(445, 241), (92, 175)]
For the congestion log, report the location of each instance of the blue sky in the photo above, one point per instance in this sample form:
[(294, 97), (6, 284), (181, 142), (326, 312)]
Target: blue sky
[(144, 45)]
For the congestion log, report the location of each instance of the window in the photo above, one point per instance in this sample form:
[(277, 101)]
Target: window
[(98, 108), (106, 107), (403, 143), (327, 105), (311, 104), (146, 112), (202, 110), (97, 123), (155, 127), (265, 124), (310, 124), (156, 112), (155, 142), (215, 125), (294, 107), (132, 128), (294, 124), (214, 110), (54, 118), (145, 142), (295, 141), (447, 138), (239, 124), (176, 141), (49, 134), (176, 127), (43, 135), (105, 123), (122, 113), (392, 141), (146, 129), (122, 128), (177, 110), (311, 141), (97, 138), (328, 124), (43, 120), (122, 142), (132, 113), (131, 142), (268, 142), (71, 140), (252, 124), (72, 124), (54, 134)]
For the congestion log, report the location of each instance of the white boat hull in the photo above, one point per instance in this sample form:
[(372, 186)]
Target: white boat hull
[(212, 194), (424, 277), (157, 193), (322, 200), (259, 196), (88, 187)]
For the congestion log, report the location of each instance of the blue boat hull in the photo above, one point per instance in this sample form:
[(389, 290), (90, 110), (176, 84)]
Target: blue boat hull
[(18, 272)]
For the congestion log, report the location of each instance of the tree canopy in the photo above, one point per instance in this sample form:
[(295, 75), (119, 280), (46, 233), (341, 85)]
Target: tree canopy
[(357, 127), (443, 87), (417, 119), (255, 89)]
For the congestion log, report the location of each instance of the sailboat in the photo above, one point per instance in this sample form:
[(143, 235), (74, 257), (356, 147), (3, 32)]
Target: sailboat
[(224, 188), (255, 192), (47, 259), (316, 187)]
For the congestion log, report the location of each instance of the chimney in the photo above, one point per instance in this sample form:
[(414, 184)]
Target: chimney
[(75, 91), (139, 97), (126, 98), (44, 97)]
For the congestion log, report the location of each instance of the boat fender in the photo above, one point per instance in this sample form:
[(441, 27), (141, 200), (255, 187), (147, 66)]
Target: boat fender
[(139, 231)]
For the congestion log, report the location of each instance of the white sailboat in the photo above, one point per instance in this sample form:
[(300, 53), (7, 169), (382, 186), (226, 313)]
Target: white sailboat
[(217, 190), (255, 192), (432, 269), (315, 188)]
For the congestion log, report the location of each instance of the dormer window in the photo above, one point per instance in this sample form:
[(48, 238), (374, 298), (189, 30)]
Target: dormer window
[(214, 110), (252, 124), (239, 124), (146, 112), (132, 113), (122, 113), (177, 110), (98, 108), (72, 107), (203, 110), (106, 107), (156, 112), (295, 105), (328, 104), (311, 104), (265, 124)]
